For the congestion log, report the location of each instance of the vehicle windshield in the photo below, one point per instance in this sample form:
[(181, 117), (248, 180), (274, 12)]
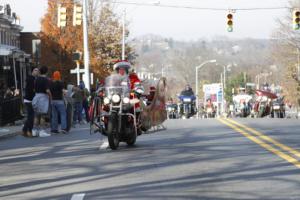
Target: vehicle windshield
[(187, 93), (117, 84)]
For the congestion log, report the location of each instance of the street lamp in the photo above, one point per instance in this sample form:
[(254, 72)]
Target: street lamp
[(198, 67)]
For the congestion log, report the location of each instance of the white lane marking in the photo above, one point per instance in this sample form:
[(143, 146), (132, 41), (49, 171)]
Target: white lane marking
[(78, 196)]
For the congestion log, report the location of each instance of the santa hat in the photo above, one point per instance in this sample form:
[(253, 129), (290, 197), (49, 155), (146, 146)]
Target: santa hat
[(122, 64)]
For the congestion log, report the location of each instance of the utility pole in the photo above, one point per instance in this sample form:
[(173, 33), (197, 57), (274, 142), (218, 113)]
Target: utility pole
[(298, 64), (224, 86), (78, 72), (222, 98), (123, 38), (86, 46)]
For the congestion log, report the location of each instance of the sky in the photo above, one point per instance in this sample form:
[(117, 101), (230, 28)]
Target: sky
[(180, 24)]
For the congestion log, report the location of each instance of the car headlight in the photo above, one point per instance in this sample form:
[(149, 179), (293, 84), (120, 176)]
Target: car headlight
[(126, 100), (116, 98), (106, 100)]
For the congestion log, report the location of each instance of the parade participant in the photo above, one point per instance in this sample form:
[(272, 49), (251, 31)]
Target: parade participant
[(29, 94), (123, 69), (137, 88), (151, 95), (188, 91)]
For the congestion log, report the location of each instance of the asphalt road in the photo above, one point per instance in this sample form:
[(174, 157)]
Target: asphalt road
[(193, 159)]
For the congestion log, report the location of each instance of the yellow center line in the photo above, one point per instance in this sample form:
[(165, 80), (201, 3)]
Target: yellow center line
[(267, 138), (262, 144)]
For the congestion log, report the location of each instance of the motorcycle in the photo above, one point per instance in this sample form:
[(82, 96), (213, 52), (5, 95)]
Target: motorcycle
[(187, 106), (172, 111), (262, 106), (209, 112), (278, 110), (120, 117)]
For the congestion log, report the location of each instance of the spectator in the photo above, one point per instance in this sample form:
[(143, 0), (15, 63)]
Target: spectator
[(29, 94), (58, 107), (85, 102), (77, 100), (41, 101)]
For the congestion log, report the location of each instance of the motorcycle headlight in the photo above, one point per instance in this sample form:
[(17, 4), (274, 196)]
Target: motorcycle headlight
[(116, 98), (106, 100), (187, 100), (126, 100), (169, 109)]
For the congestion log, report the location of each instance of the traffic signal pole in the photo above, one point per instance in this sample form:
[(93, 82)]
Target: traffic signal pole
[(86, 46)]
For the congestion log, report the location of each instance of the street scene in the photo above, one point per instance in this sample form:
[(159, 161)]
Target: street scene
[(176, 99)]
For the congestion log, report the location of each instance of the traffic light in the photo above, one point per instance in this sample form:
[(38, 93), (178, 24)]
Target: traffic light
[(77, 15), (296, 19), (61, 16), (76, 56), (229, 22)]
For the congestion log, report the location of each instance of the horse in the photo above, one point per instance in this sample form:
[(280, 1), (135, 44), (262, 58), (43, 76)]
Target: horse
[(155, 114)]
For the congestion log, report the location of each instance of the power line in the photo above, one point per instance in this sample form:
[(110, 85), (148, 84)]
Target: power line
[(158, 4)]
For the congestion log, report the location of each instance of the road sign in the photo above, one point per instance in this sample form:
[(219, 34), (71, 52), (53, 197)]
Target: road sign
[(75, 71), (212, 88)]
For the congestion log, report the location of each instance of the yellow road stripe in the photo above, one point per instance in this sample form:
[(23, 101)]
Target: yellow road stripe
[(263, 144), (267, 138)]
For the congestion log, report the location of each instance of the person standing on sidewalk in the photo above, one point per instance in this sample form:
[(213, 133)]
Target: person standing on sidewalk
[(85, 102), (57, 104), (77, 101), (29, 94), (41, 101)]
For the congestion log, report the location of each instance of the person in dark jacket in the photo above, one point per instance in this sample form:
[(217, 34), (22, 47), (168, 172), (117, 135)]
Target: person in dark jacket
[(29, 94), (58, 104), (85, 101), (188, 91), (77, 101), (40, 102)]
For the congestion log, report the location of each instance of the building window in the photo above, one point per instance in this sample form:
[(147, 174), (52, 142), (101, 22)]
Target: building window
[(3, 33), (2, 37), (8, 38), (5, 37)]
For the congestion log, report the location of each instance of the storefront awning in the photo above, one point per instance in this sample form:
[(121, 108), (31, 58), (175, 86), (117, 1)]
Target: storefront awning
[(6, 50)]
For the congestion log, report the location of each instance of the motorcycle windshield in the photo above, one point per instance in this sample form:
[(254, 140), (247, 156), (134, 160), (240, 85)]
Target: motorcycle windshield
[(117, 84)]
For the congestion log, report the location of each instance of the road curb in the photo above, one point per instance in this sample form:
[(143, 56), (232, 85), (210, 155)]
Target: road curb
[(9, 135)]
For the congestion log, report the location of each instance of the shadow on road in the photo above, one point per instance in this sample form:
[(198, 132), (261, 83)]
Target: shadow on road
[(204, 160)]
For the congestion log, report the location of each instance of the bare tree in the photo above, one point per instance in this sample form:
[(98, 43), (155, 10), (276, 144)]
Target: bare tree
[(285, 51)]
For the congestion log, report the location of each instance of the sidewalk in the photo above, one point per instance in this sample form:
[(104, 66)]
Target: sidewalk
[(10, 131)]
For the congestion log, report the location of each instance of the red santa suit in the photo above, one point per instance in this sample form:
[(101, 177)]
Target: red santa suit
[(134, 82)]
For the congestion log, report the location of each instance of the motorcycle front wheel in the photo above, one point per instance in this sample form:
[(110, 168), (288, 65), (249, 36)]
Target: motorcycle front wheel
[(112, 133), (132, 140)]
